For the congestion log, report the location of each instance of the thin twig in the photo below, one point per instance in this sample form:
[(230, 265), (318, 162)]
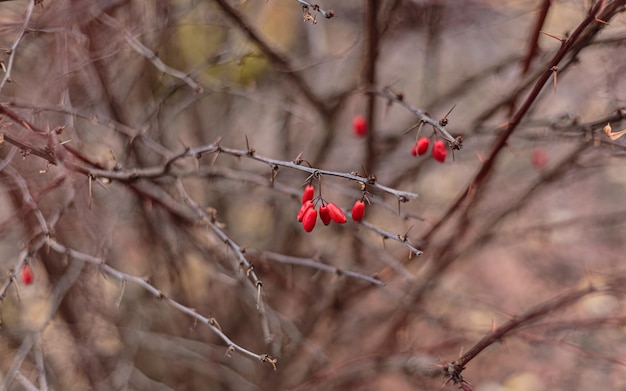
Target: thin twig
[(27, 198), (526, 318), (39, 363), (23, 380), (210, 322), (16, 43), (18, 360), (533, 46), (243, 263), (398, 98), (308, 262), (231, 174), (161, 170), (482, 176), (279, 60), (369, 78), (397, 237), (147, 53)]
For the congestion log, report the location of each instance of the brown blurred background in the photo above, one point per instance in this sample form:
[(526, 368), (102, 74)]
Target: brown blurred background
[(541, 227)]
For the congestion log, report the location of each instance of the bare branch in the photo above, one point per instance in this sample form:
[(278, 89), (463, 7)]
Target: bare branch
[(16, 43)]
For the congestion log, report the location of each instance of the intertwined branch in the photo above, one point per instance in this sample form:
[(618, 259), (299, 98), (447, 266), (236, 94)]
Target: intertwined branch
[(96, 146)]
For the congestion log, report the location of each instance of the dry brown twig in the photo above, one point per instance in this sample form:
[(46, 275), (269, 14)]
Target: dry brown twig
[(13, 50)]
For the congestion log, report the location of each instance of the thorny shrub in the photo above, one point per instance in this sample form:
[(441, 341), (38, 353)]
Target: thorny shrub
[(154, 155)]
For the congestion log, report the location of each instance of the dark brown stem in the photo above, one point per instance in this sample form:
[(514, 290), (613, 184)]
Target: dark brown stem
[(482, 177), (369, 74), (278, 59), (524, 319), (533, 46)]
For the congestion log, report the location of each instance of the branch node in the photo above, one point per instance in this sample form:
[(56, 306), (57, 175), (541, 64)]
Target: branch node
[(269, 359)]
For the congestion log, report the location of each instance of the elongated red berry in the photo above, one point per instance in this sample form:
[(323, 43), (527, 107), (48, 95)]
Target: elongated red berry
[(336, 214), (309, 193), (306, 206), (439, 151), (325, 215), (414, 150), (358, 210), (422, 145), (27, 274), (310, 217), (359, 126)]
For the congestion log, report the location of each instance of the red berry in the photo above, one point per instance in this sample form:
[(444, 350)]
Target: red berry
[(359, 126), (309, 193), (325, 214), (422, 145), (306, 206), (336, 214), (439, 151), (414, 150), (358, 210), (540, 158), (310, 217), (27, 274)]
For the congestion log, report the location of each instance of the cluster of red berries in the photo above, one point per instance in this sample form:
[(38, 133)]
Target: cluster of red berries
[(439, 152), (439, 149), (329, 211)]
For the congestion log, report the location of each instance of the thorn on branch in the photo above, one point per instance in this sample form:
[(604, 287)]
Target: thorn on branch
[(273, 174), (212, 212), (444, 120), (298, 160), (457, 144), (213, 322), (554, 70), (453, 371), (251, 151), (401, 199), (560, 39), (269, 359), (607, 130), (250, 268), (601, 21)]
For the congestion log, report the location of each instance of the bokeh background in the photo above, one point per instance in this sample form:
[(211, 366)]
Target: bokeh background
[(128, 84)]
